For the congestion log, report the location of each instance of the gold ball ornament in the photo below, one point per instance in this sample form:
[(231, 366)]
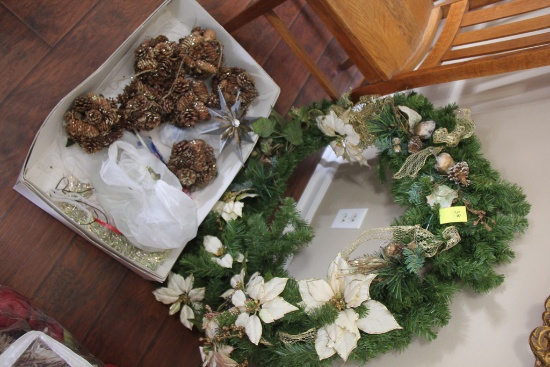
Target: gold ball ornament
[(444, 161)]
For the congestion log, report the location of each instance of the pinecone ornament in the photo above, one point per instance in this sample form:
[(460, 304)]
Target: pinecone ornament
[(155, 62), (139, 107), (200, 52), (415, 144), (233, 82), (194, 163), (93, 122), (185, 105), (459, 173)]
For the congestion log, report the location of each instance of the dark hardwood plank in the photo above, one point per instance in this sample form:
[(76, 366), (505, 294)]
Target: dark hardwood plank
[(81, 276), (285, 67), (52, 19), (21, 50), (163, 351), (222, 11), (30, 248), (330, 62)]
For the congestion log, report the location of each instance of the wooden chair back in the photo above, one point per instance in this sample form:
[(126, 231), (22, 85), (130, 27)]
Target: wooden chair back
[(379, 36), (404, 44)]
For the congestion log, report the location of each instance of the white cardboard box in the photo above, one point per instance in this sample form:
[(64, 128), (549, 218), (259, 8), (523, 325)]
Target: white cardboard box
[(174, 19)]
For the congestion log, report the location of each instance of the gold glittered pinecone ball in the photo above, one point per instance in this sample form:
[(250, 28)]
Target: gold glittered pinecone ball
[(200, 53), (185, 106), (93, 122), (459, 173), (233, 81), (139, 108), (194, 163), (155, 62)]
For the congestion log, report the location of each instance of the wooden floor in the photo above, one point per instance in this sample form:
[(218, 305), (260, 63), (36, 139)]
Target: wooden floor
[(47, 48)]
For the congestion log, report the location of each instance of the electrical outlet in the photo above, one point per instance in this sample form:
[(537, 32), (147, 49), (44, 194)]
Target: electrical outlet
[(349, 218)]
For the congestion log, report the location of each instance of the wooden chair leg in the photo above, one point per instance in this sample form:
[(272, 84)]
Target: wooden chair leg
[(252, 12), (302, 54)]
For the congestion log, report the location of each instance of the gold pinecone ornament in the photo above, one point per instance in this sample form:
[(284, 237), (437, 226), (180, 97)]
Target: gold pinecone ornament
[(93, 122), (185, 105), (155, 62), (459, 173), (139, 107), (194, 163), (234, 83), (415, 144), (200, 53)]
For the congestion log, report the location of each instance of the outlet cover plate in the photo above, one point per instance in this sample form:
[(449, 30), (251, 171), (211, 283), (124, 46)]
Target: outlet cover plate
[(349, 218)]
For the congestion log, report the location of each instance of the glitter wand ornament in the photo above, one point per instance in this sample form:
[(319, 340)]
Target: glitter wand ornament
[(233, 127)]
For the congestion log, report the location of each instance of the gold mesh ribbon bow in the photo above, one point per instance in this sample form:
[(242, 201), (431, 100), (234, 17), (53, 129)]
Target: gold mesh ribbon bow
[(404, 234), (464, 129)]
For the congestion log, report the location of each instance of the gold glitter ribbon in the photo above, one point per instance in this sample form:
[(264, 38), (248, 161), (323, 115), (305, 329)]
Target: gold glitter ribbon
[(306, 336), (71, 198), (405, 234), (414, 162), (463, 130)]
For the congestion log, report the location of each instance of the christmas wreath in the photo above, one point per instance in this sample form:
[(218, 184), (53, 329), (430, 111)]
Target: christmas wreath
[(460, 220)]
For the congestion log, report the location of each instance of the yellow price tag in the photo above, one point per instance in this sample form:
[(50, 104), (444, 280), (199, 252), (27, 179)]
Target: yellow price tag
[(454, 214)]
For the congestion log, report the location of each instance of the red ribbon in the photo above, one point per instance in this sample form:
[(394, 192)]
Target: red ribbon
[(107, 225)]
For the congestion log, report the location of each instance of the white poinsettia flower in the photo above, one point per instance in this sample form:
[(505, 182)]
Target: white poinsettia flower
[(240, 257), (210, 326), (181, 295), (230, 210), (346, 291), (329, 124), (261, 302), (347, 139), (218, 356), (237, 282), (231, 207), (339, 337), (225, 261), (213, 245), (343, 289), (350, 152)]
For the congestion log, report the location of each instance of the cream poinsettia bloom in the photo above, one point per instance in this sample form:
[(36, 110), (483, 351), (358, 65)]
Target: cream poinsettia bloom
[(181, 295), (229, 210), (231, 207), (347, 140), (345, 291), (261, 302), (213, 245), (217, 356), (237, 282)]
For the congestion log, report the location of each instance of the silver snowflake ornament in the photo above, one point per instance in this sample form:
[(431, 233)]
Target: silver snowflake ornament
[(233, 127)]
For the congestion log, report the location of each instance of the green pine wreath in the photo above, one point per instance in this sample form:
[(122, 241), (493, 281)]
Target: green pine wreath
[(433, 160)]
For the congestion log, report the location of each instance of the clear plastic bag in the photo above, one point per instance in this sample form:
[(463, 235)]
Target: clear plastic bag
[(38, 349), (145, 199)]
